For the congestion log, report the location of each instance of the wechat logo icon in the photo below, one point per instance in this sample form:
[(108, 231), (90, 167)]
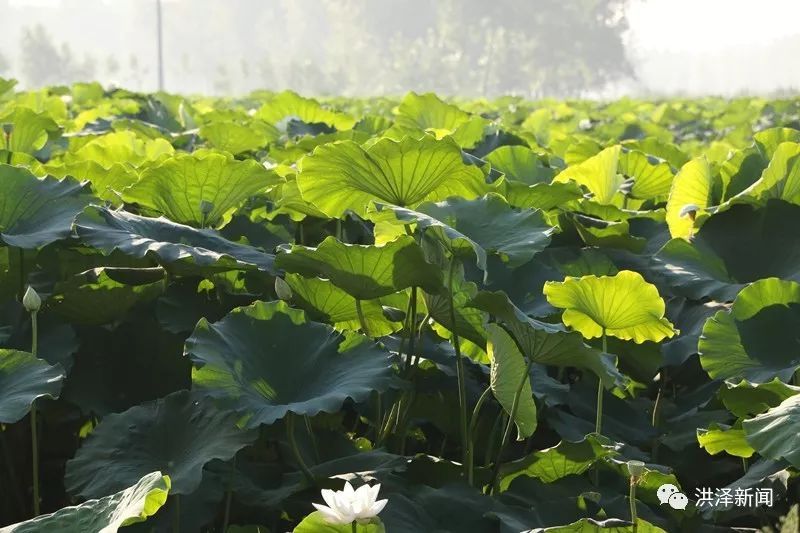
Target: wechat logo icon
[(669, 494)]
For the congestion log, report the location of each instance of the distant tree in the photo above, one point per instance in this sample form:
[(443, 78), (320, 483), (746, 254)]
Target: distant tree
[(44, 63)]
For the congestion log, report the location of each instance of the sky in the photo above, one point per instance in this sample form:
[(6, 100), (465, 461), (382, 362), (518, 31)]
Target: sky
[(676, 47)]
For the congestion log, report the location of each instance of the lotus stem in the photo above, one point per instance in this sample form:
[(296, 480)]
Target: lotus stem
[(493, 486), (598, 424), (462, 389), (632, 498), (295, 450), (361, 320), (473, 423), (34, 424), (229, 497), (354, 527), (177, 518)]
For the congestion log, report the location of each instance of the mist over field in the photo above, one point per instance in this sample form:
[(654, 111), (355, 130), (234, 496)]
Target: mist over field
[(605, 48)]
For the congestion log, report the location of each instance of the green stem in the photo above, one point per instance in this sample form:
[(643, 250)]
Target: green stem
[(462, 389), (744, 464), (598, 424), (295, 450), (354, 527), (361, 320), (339, 229), (473, 424), (514, 406), (34, 425), (632, 498), (412, 327), (229, 497)]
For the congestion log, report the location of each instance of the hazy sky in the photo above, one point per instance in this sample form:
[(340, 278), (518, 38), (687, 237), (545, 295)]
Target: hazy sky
[(675, 46)]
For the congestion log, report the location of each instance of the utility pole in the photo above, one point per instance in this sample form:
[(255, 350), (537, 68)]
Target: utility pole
[(160, 41)]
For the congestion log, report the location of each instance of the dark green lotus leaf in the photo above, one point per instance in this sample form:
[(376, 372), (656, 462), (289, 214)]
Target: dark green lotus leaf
[(200, 190), (486, 225), (178, 434), (564, 459), (757, 339), (169, 243), (762, 474), (744, 398), (324, 301), (779, 180), (470, 321), (713, 265), (35, 212), (689, 317), (237, 138), (94, 297), (24, 379), (365, 272), (244, 360), (774, 434), (548, 344), (129, 506), (57, 341), (344, 176)]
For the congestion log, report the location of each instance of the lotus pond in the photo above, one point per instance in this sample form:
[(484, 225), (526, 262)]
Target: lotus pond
[(274, 313)]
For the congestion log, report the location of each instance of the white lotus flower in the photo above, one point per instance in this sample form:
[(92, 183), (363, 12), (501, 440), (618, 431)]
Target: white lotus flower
[(345, 506)]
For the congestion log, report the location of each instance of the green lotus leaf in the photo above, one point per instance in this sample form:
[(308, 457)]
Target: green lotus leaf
[(29, 130), (510, 380), (315, 523), (691, 189), (544, 196), (745, 398), (181, 187), (242, 360), (132, 505), (107, 183), (236, 138), (419, 113), (659, 148), (177, 434), (610, 525), (768, 141), (321, 299), (562, 460), (343, 176), (24, 379), (94, 298), (121, 147), (757, 339), (170, 243), (520, 163), (623, 306), (713, 263), (548, 344), (365, 272), (651, 179), (35, 212), (470, 321), (730, 440), (598, 174), (781, 178), (290, 105), (774, 434), (486, 225)]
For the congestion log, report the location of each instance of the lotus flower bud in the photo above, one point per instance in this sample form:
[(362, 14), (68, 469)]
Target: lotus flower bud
[(31, 300)]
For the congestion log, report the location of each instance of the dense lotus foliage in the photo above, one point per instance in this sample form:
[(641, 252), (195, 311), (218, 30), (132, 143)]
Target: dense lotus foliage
[(509, 315)]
